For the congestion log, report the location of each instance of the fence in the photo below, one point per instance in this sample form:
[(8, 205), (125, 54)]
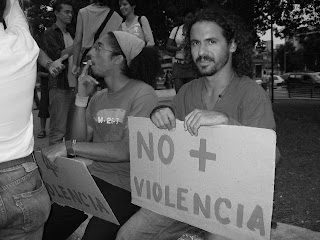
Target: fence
[(301, 90)]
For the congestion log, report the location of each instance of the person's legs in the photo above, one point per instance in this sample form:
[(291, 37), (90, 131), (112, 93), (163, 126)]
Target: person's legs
[(120, 203), (60, 102), (43, 122), (43, 110), (36, 98), (62, 222), (148, 225), (24, 202), (72, 108)]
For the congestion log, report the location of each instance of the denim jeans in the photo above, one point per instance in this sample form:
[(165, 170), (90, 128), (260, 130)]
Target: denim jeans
[(60, 108), (148, 225), (24, 203)]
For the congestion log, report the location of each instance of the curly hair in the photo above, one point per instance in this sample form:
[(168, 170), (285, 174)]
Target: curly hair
[(233, 30), (145, 66)]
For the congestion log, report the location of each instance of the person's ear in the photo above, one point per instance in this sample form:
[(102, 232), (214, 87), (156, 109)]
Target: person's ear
[(118, 59), (233, 46)]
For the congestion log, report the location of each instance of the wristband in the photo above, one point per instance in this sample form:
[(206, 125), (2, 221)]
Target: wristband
[(160, 107), (71, 153), (81, 101), (48, 64)]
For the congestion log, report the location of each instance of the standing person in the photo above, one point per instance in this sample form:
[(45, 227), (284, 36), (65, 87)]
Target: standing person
[(101, 130), (136, 25), (182, 72), (24, 201), (220, 48), (44, 102), (89, 20), (58, 40)]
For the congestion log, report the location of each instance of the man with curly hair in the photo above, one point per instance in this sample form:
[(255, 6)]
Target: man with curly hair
[(220, 48)]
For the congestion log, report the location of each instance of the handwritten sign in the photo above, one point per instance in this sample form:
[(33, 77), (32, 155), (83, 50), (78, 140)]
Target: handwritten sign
[(221, 181), (72, 185)]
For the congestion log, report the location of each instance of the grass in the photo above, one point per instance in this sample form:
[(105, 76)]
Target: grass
[(297, 183)]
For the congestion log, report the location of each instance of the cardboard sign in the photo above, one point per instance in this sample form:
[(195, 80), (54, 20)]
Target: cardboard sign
[(73, 185), (221, 181)]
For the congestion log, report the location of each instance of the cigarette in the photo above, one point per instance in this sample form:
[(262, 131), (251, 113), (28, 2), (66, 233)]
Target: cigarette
[(85, 63)]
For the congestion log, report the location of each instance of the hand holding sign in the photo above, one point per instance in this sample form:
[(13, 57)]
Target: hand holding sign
[(164, 118), (57, 66), (51, 153), (86, 82), (198, 118)]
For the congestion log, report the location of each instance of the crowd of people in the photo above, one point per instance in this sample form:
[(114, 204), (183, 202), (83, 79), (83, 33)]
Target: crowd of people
[(107, 67)]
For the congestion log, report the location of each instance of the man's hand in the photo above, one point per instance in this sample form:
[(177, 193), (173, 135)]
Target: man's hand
[(198, 118), (86, 83), (52, 152), (57, 66), (50, 155), (164, 118), (75, 70)]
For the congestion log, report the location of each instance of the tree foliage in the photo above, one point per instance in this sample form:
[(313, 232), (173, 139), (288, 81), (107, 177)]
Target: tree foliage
[(163, 15)]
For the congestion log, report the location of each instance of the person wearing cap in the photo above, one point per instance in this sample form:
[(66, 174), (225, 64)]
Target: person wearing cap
[(101, 129)]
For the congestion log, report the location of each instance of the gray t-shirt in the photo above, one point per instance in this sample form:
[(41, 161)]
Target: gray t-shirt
[(245, 102), (107, 114)]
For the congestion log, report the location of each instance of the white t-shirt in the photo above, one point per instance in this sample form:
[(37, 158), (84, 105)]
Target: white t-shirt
[(18, 69), (143, 32), (68, 42)]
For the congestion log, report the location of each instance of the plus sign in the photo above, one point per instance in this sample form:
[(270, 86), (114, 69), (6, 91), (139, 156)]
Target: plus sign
[(203, 155)]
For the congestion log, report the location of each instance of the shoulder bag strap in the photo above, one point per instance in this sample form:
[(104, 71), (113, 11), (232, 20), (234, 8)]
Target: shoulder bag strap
[(99, 31)]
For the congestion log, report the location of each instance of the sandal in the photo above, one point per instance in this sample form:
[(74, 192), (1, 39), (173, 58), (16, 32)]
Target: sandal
[(42, 134)]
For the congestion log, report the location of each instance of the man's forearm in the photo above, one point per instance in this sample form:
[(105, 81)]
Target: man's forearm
[(43, 59), (68, 51), (112, 152), (79, 125)]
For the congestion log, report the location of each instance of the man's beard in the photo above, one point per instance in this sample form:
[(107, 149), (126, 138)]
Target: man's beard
[(99, 78), (213, 69)]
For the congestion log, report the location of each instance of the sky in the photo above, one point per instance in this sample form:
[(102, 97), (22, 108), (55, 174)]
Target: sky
[(267, 36)]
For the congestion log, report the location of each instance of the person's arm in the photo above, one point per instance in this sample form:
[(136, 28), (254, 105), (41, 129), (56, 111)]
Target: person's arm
[(170, 43), (54, 67), (77, 45), (147, 31), (68, 51), (52, 47), (7, 10), (117, 151), (17, 24), (14, 16)]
